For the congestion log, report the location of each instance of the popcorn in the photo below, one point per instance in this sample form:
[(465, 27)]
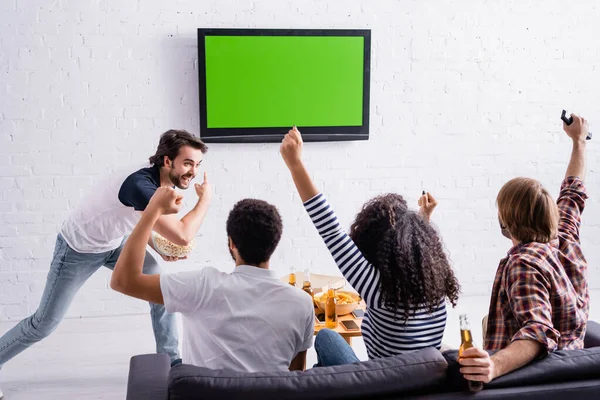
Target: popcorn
[(168, 248)]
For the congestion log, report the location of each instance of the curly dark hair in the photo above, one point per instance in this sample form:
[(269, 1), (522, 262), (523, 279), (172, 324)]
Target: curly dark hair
[(255, 228), (407, 252), (170, 143)]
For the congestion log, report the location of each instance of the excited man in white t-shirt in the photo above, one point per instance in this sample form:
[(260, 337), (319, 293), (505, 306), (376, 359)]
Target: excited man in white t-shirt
[(247, 320), (92, 236)]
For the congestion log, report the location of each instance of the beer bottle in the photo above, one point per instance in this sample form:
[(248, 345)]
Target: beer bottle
[(292, 279), (330, 311), (306, 286), (467, 343)]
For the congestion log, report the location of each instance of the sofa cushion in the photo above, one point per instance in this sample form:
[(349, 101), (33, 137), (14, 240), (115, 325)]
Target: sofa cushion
[(559, 366), (406, 372)]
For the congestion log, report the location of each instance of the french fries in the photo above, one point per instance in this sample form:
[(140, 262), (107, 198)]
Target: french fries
[(340, 297)]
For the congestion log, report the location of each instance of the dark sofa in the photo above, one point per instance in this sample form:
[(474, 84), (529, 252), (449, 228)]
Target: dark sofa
[(423, 374)]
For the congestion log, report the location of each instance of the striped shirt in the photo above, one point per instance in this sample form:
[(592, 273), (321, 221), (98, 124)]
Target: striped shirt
[(383, 334)]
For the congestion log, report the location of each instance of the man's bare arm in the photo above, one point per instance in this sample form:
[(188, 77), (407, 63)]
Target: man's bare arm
[(477, 365), (577, 163), (128, 277), (516, 355), (182, 231), (578, 132)]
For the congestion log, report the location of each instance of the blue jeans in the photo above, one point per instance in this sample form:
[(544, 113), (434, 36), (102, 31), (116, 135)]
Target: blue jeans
[(332, 349), (68, 272)]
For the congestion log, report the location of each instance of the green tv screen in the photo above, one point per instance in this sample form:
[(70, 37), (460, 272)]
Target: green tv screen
[(256, 84)]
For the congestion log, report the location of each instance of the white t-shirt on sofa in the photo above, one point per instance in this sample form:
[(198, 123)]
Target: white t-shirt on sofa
[(247, 320)]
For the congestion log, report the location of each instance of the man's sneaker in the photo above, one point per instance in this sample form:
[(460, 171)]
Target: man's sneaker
[(1, 395)]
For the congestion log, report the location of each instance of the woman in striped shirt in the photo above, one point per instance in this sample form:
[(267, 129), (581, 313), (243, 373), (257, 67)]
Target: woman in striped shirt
[(392, 257)]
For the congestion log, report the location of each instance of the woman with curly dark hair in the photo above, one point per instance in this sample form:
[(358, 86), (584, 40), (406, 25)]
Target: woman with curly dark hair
[(392, 257)]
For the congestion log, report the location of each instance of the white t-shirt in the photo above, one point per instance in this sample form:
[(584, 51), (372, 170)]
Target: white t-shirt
[(247, 320), (110, 210)]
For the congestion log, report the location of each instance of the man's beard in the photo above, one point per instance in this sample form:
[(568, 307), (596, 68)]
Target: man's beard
[(176, 179)]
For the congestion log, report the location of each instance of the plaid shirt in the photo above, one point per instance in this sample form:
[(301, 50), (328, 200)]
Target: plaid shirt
[(540, 291)]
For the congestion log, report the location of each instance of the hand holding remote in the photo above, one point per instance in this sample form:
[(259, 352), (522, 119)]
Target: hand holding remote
[(569, 121)]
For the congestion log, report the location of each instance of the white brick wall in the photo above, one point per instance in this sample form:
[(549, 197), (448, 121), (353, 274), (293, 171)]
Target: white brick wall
[(464, 94)]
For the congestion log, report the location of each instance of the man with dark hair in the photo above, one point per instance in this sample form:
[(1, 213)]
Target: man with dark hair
[(93, 236), (540, 297), (247, 320)]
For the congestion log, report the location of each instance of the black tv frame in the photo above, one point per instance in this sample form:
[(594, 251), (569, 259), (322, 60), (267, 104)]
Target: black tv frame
[(266, 135)]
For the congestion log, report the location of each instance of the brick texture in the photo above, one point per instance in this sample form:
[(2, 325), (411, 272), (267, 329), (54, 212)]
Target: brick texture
[(464, 96)]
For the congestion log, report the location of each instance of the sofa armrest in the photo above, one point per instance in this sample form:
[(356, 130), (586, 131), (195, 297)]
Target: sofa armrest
[(148, 377), (592, 335)]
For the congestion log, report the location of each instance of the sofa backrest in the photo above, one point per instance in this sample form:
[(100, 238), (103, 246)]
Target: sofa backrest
[(559, 366), (407, 372)]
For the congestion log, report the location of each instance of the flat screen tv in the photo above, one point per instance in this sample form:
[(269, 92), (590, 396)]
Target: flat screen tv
[(255, 84)]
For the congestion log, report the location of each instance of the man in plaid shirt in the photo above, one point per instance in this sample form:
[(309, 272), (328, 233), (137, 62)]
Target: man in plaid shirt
[(540, 298)]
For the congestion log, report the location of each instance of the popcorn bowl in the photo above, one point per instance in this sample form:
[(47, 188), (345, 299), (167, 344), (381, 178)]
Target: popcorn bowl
[(168, 248)]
